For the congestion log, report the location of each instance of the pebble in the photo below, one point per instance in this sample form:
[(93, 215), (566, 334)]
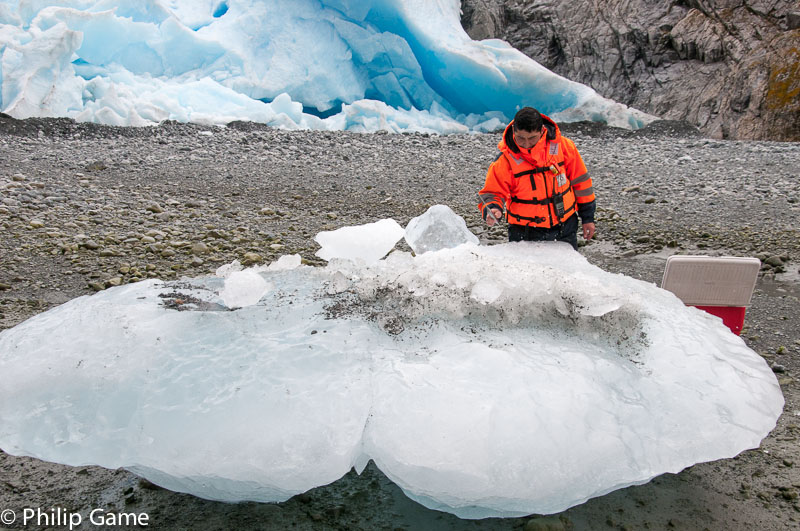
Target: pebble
[(199, 248), (252, 258), (774, 261), (96, 166), (545, 523)]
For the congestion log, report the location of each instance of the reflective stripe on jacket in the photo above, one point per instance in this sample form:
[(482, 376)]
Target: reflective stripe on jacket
[(530, 185)]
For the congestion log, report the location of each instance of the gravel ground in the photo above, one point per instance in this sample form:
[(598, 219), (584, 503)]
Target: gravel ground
[(85, 207)]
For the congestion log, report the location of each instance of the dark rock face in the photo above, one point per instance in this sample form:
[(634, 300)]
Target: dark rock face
[(731, 67)]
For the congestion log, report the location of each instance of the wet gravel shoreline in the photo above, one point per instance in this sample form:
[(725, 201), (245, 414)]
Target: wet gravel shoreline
[(85, 207)]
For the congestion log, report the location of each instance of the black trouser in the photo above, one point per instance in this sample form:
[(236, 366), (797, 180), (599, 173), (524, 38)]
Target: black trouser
[(566, 232)]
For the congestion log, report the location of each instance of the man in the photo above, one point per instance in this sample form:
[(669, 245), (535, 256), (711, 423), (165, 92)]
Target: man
[(542, 182)]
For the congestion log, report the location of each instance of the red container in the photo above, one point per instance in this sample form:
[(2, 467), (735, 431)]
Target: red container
[(732, 316)]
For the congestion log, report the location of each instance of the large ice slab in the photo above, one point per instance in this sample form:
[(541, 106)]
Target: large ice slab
[(501, 380), (332, 64)]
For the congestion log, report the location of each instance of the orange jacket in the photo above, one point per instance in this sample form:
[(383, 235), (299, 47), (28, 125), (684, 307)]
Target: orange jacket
[(527, 184)]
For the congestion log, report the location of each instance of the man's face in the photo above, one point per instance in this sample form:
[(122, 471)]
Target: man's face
[(527, 139)]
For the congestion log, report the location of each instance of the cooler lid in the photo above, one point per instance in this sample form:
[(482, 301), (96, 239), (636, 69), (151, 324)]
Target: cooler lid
[(711, 281)]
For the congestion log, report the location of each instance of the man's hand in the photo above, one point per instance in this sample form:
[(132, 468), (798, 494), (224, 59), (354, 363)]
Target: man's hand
[(492, 220), (588, 231)]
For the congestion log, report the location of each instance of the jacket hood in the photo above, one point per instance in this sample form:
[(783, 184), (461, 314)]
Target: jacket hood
[(507, 143)]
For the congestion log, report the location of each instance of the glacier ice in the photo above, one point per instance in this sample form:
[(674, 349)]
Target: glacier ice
[(484, 380), (438, 228), (330, 64)]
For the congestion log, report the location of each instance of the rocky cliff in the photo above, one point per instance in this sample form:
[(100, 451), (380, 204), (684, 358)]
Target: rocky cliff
[(731, 67)]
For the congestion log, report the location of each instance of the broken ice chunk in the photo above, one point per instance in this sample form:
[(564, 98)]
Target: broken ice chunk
[(438, 228), (243, 288), (368, 242), (286, 262)]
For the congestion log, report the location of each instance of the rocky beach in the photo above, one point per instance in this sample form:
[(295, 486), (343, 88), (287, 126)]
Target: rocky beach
[(86, 207)]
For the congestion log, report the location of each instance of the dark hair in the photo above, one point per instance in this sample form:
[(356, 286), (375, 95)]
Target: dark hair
[(528, 119)]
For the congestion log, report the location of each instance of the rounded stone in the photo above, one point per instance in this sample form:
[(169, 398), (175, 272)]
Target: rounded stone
[(199, 248), (251, 258), (774, 261)]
